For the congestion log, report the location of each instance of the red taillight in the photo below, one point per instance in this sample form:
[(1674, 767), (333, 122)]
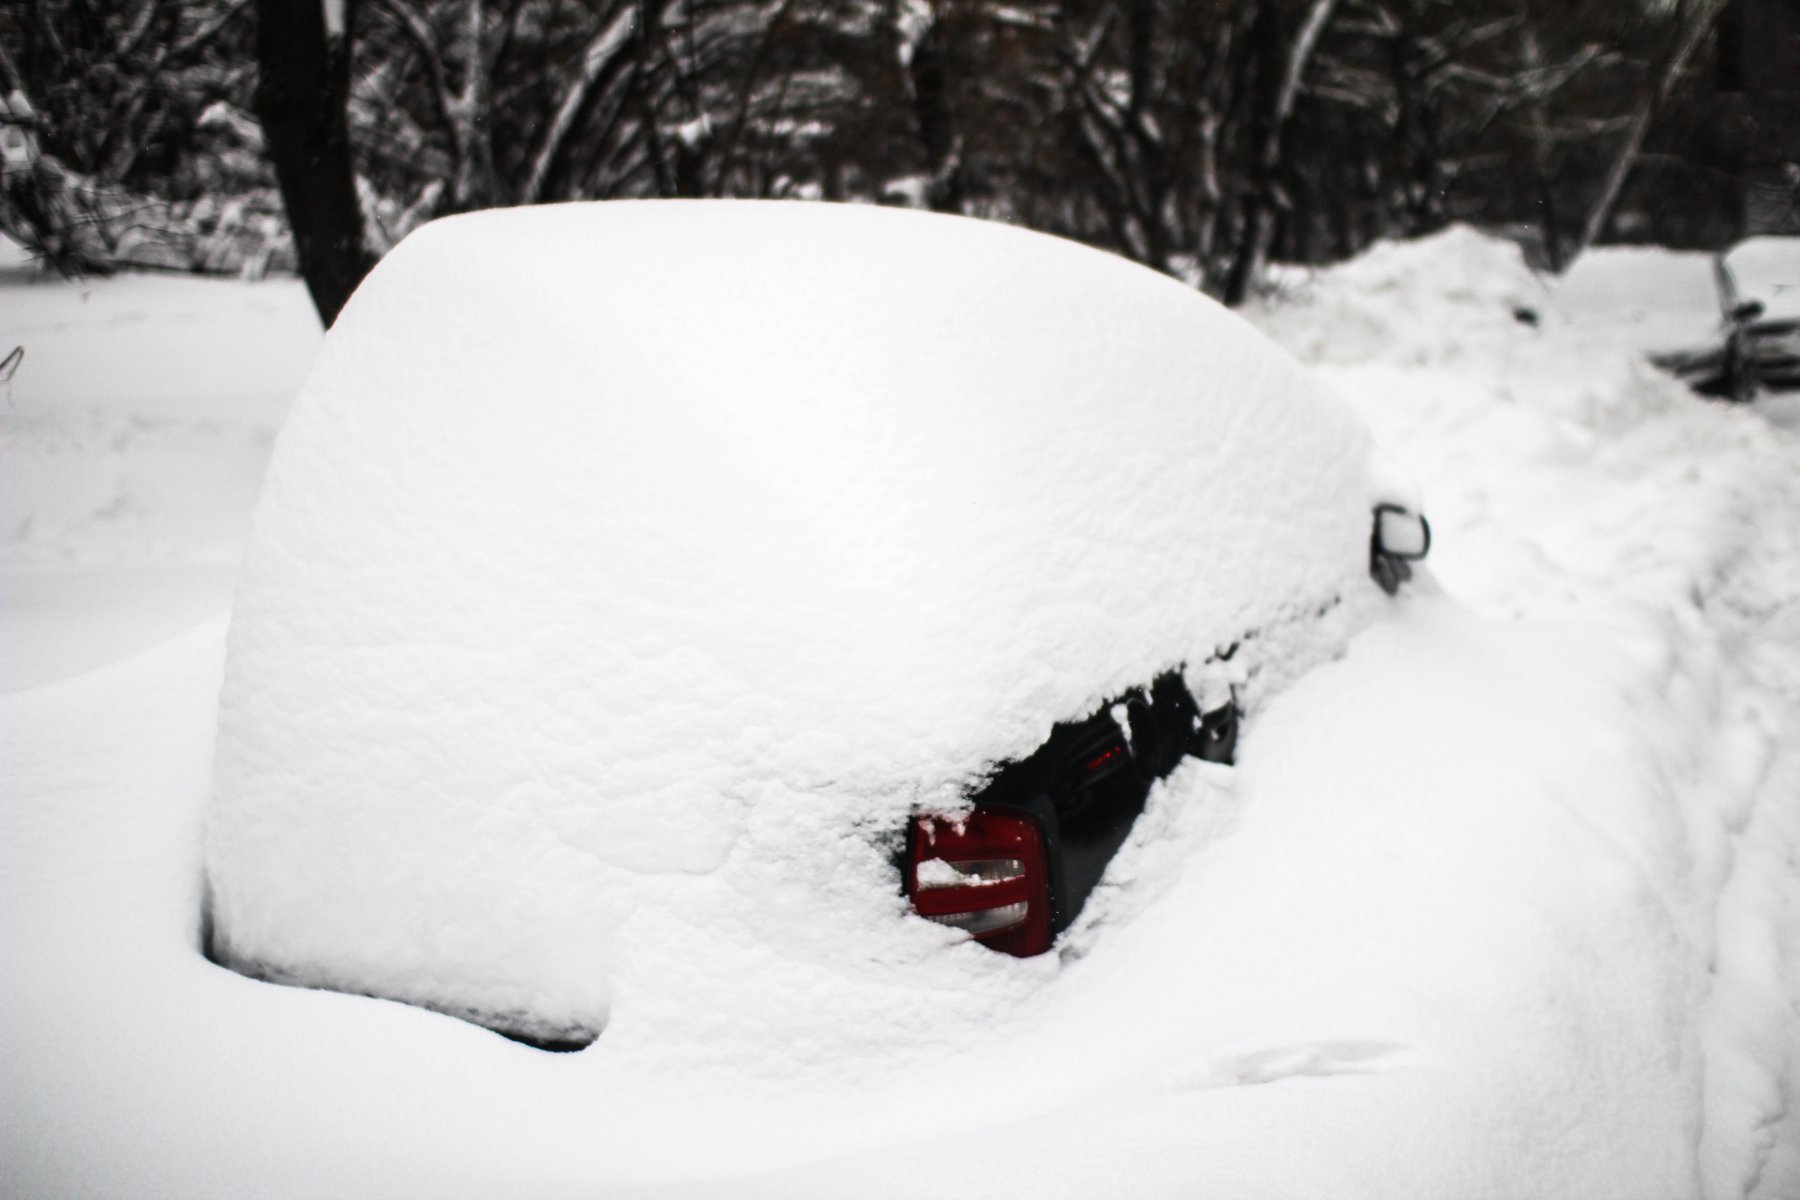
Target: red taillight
[(985, 875)]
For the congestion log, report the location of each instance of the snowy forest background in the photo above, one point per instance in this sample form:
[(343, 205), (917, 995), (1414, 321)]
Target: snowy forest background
[(1203, 138)]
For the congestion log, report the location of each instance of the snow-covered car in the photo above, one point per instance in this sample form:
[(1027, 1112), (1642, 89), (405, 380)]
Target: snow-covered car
[(635, 585), (1753, 353)]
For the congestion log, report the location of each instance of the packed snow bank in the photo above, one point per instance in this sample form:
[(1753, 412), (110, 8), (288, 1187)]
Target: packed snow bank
[(1457, 293), (1571, 482), (627, 572)]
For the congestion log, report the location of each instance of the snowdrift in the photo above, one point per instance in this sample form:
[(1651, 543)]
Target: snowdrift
[(627, 572)]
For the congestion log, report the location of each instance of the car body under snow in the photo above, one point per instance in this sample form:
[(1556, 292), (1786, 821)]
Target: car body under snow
[(632, 577)]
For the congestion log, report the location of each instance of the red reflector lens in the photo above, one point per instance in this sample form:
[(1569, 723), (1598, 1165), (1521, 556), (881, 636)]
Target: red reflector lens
[(1105, 758), (986, 875)]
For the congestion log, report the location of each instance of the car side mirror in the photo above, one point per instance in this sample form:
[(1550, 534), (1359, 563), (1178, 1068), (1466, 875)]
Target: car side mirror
[(1400, 537)]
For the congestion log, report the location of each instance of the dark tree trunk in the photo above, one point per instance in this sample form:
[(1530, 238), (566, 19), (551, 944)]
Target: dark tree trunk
[(1262, 63), (302, 90), (930, 69)]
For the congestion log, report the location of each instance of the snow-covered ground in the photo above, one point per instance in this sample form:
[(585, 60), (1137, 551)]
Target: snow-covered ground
[(1503, 902), (133, 438)]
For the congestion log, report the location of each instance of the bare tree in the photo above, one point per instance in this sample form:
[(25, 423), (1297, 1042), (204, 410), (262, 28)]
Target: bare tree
[(1259, 219), (303, 50), (1693, 20), (601, 56), (1203, 138)]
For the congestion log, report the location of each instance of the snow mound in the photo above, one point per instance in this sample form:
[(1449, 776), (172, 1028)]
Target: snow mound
[(1458, 315), (628, 571), (1393, 301)]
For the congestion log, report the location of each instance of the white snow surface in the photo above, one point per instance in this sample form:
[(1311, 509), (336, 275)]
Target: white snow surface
[(628, 572), (133, 439), (1500, 903)]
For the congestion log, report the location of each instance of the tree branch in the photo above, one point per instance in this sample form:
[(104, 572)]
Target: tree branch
[(601, 51)]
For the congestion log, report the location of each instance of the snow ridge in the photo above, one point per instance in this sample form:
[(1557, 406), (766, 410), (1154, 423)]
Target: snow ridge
[(1567, 477)]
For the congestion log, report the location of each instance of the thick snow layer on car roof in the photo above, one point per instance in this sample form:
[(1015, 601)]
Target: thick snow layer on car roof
[(627, 572)]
